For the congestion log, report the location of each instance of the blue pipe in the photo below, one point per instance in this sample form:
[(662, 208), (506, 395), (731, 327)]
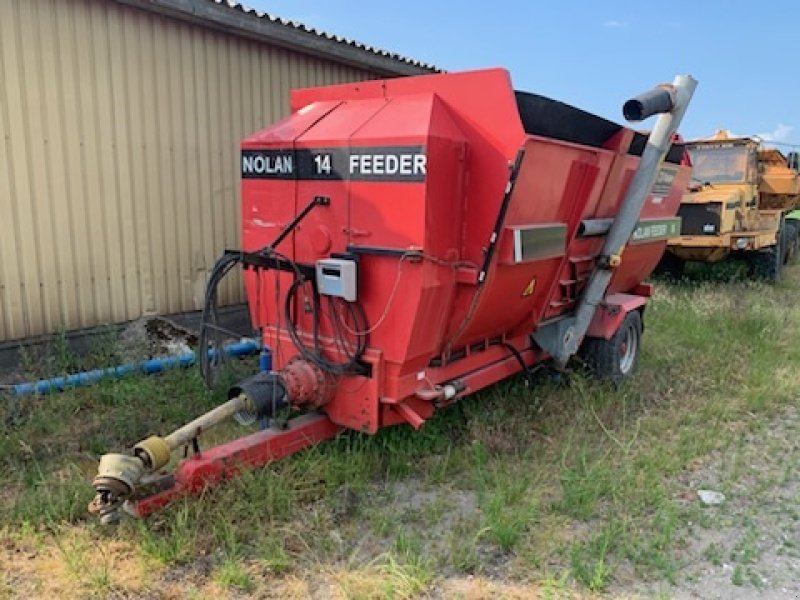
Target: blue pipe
[(148, 367)]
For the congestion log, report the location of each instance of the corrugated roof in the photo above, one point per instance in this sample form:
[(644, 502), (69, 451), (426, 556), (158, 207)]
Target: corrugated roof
[(236, 18), (323, 34)]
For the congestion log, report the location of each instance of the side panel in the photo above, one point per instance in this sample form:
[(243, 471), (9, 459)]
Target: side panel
[(556, 182)]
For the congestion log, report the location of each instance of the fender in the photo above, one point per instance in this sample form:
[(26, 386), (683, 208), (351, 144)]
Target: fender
[(610, 314)]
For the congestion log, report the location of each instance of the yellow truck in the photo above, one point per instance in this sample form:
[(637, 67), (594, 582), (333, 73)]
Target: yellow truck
[(741, 201)]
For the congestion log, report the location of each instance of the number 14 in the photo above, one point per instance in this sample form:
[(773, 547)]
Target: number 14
[(323, 163)]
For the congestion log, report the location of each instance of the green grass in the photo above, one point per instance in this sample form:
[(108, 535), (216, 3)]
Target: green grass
[(560, 484), (232, 574), (737, 577)]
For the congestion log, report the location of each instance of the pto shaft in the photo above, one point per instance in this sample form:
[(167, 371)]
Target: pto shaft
[(119, 474)]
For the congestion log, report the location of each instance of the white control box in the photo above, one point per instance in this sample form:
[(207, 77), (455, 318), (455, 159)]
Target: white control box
[(337, 277)]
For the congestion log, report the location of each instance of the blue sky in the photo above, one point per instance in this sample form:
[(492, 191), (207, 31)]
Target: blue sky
[(595, 54)]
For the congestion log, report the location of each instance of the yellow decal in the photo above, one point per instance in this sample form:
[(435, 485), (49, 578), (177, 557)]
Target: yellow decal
[(529, 288)]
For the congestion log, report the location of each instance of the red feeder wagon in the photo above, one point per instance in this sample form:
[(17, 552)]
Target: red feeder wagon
[(411, 241)]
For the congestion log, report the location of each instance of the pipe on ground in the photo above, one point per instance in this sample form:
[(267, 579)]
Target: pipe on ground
[(148, 367)]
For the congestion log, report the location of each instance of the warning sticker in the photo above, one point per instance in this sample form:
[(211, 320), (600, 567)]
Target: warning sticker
[(529, 288)]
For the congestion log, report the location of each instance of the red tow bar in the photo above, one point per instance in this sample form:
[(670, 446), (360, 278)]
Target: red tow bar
[(222, 462)]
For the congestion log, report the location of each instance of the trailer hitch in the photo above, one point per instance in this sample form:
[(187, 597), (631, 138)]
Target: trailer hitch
[(140, 492), (119, 475), (133, 481)]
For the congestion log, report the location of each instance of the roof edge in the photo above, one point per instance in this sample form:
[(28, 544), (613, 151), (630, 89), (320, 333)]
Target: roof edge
[(233, 18)]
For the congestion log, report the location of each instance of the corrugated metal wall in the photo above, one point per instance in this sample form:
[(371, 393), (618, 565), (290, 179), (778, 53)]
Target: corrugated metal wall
[(119, 177)]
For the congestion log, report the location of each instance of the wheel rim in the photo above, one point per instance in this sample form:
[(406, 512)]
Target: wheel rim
[(628, 348)]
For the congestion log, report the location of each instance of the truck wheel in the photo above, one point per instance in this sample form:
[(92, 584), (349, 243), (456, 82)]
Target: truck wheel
[(792, 237), (768, 264), (614, 359), (785, 246), (670, 266)]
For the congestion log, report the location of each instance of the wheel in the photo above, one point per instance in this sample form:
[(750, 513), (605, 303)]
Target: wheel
[(614, 359), (768, 263), (670, 266), (792, 236), (787, 243)]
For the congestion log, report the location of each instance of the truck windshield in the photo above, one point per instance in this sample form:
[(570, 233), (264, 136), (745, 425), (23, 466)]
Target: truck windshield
[(719, 163)]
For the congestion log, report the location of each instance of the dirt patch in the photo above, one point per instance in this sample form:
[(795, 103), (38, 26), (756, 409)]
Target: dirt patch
[(75, 567), (154, 336), (433, 510)]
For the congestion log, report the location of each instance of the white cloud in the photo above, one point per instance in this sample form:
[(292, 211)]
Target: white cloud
[(615, 24), (780, 134)]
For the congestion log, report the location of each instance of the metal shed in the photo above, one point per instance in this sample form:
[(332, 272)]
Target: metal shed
[(119, 130)]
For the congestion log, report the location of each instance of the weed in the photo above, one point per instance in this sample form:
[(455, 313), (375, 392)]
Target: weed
[(408, 544), (653, 548), (386, 577), (754, 578), (462, 542), (192, 593), (88, 565), (103, 349), (589, 559), (272, 555), (737, 577), (713, 554), (29, 361), (584, 483), (554, 586), (746, 549), (51, 499), (232, 573), (509, 510), (435, 510), (63, 360), (227, 536), (464, 557), (175, 541), (383, 521)]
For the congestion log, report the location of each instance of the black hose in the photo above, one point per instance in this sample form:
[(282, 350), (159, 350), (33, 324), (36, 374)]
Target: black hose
[(315, 355), (208, 324), (529, 380), (208, 320)]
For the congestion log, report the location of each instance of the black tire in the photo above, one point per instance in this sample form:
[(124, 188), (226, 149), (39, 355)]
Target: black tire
[(787, 243), (615, 359), (670, 266), (767, 264), (792, 237)]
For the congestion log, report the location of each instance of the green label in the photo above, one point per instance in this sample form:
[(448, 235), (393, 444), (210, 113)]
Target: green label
[(656, 229)]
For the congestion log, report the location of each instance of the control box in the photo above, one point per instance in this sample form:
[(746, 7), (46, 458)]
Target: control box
[(337, 277)]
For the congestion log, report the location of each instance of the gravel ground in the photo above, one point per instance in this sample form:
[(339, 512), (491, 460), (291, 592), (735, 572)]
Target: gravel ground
[(748, 546)]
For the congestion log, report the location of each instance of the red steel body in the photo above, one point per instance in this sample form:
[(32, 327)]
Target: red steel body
[(437, 315)]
